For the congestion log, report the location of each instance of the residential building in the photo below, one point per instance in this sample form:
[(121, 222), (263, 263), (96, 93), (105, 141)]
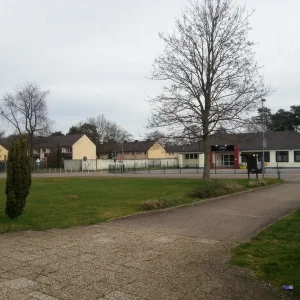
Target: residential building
[(172, 151), (72, 147), (3, 152), (131, 150)]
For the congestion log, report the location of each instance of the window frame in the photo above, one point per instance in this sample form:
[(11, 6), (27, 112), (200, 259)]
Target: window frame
[(282, 155), (266, 156), (295, 154)]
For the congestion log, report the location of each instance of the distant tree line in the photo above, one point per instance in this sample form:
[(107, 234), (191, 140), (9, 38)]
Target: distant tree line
[(282, 120)]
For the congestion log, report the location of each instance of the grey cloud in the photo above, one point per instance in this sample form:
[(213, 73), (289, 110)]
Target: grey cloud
[(94, 55)]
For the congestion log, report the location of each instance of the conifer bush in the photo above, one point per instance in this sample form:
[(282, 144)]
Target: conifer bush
[(18, 180)]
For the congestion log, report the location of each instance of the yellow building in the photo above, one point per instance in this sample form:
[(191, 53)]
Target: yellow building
[(132, 150), (3, 153)]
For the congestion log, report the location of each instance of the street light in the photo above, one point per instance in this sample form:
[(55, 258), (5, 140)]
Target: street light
[(263, 139)]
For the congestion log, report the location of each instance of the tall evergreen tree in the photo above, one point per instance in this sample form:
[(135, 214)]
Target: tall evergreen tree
[(18, 180)]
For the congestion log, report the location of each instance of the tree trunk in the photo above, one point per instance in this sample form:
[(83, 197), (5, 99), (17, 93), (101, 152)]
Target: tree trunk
[(206, 172), (31, 150)]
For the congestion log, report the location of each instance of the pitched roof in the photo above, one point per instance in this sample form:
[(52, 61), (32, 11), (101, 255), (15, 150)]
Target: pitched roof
[(6, 143), (52, 141), (277, 140), (194, 147), (136, 146)]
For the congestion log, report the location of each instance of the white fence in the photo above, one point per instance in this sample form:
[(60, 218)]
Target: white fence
[(103, 164)]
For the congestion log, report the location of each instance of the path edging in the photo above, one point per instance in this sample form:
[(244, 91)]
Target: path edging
[(191, 204)]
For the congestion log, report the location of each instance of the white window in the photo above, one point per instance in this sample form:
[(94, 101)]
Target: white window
[(36, 151), (67, 150), (46, 150), (191, 156)]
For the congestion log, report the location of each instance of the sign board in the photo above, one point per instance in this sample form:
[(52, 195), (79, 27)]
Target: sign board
[(222, 148), (84, 158), (37, 162)]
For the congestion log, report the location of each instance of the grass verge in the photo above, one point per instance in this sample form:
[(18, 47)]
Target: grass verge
[(274, 254), (72, 201)]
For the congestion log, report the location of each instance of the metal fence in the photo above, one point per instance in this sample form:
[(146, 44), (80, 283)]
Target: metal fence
[(195, 169)]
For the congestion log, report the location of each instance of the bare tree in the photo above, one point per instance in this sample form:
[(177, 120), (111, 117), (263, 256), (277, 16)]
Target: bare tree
[(108, 130), (26, 110), (212, 78)]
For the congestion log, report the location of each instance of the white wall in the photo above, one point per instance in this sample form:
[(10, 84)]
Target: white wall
[(273, 163), (291, 162), (103, 164), (183, 162)]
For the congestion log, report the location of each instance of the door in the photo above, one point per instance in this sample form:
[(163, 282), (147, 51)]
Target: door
[(227, 160)]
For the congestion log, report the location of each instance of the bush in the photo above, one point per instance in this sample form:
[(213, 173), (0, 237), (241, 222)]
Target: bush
[(215, 188), (160, 203), (18, 180)]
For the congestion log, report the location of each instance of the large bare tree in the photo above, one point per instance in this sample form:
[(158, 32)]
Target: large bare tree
[(26, 110), (211, 77), (108, 130)]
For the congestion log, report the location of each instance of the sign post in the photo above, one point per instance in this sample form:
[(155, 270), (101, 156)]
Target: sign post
[(38, 162), (84, 159)]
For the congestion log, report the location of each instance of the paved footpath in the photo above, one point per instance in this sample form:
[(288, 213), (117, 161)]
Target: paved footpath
[(175, 254)]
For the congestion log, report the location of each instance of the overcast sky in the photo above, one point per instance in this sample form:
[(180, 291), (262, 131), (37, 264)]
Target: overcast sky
[(94, 55)]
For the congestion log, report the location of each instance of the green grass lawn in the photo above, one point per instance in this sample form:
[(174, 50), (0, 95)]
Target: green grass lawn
[(67, 202), (274, 254)]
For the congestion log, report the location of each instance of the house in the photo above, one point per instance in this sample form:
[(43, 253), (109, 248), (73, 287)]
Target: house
[(282, 148), (131, 150), (191, 155), (172, 151), (72, 147), (3, 152)]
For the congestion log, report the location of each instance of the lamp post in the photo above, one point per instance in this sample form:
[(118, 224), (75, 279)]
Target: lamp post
[(263, 138)]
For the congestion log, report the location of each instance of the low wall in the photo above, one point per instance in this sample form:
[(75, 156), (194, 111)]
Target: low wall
[(73, 164), (103, 164)]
